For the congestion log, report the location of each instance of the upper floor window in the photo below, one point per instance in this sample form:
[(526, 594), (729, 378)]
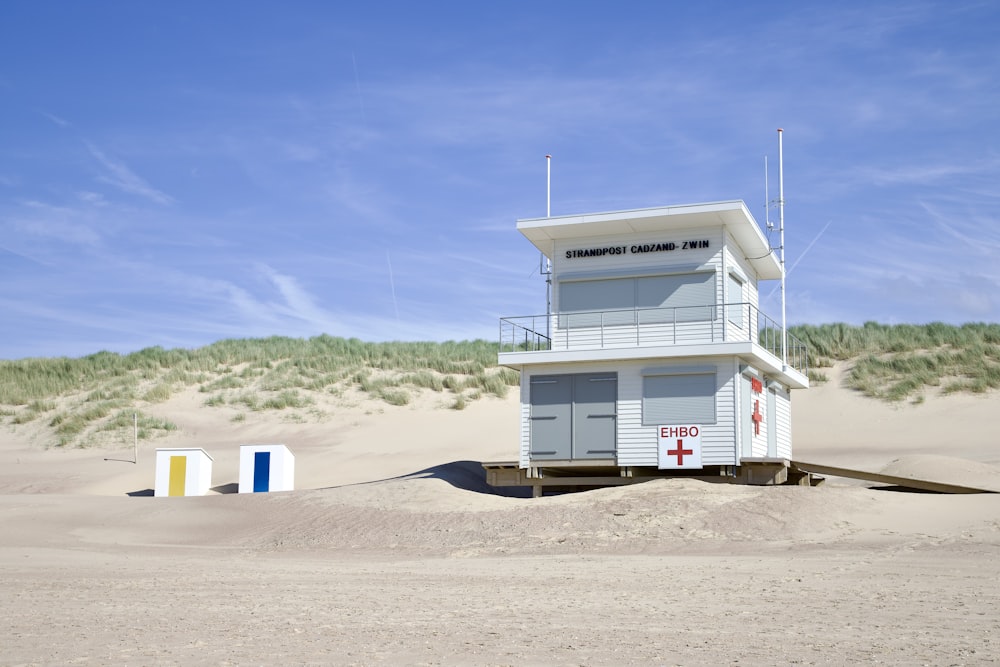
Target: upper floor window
[(686, 297), (736, 308)]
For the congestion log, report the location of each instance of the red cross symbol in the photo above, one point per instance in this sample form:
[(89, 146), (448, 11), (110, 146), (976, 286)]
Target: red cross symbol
[(756, 417), (679, 452)]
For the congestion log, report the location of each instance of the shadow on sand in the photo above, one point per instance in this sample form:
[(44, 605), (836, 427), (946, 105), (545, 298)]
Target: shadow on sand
[(465, 475), (904, 489), (232, 487)]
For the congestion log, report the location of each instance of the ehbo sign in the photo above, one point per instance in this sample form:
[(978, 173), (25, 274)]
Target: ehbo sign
[(678, 446)]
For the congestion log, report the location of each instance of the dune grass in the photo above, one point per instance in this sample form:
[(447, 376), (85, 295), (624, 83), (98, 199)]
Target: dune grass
[(275, 373), (77, 398), (899, 362)]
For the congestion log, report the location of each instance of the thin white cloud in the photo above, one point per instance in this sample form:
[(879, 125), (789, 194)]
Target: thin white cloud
[(119, 175), (365, 201), (21, 255), (977, 236), (40, 222), (61, 122), (299, 152), (296, 301), (64, 232), (93, 198), (920, 174)]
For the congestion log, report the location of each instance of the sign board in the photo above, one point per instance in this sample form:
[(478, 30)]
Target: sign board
[(678, 446)]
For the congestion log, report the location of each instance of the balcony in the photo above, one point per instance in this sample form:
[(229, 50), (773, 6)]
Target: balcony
[(736, 328)]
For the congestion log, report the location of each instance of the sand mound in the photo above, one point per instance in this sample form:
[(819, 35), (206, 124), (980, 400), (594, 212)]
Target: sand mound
[(393, 550), (427, 516)]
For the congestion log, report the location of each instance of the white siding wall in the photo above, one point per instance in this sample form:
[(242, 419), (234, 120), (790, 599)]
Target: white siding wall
[(736, 263), (760, 439), (637, 443), (783, 414), (745, 425), (723, 449), (734, 258), (525, 419)]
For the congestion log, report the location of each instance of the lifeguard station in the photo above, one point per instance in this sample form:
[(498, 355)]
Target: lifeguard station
[(654, 358)]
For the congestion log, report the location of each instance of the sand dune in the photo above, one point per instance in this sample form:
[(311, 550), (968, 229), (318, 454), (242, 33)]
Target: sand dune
[(395, 551)]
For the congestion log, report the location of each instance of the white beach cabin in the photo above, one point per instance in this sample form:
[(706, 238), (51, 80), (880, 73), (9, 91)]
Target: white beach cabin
[(182, 472), (655, 358), (266, 468)]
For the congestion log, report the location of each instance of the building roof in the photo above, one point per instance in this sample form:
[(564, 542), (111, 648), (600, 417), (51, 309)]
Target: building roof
[(733, 215)]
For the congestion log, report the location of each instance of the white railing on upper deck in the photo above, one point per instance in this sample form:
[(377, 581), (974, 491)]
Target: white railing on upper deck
[(646, 327)]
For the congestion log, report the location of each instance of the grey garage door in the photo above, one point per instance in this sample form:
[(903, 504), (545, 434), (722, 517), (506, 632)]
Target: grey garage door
[(573, 416)]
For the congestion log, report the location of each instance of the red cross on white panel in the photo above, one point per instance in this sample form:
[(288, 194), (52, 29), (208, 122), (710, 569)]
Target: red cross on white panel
[(678, 446), (680, 452)]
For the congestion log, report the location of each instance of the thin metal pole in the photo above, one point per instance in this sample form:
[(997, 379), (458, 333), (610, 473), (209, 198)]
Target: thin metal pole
[(767, 200), (548, 186), (135, 437), (781, 231), (548, 262)]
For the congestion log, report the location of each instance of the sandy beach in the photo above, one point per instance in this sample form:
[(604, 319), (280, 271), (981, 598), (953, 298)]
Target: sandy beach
[(393, 550)]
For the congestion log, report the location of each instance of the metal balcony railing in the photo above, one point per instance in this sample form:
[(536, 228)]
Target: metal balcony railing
[(642, 327)]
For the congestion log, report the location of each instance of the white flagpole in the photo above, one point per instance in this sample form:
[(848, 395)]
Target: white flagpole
[(781, 232), (548, 262)]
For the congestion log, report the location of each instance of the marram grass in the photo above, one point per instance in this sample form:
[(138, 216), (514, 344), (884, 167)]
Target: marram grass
[(75, 398), (274, 373), (900, 362)]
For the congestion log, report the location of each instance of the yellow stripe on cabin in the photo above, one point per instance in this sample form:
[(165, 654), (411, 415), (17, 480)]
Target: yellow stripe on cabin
[(178, 475)]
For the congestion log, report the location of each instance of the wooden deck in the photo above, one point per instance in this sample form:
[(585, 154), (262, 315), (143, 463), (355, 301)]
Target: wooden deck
[(575, 475)]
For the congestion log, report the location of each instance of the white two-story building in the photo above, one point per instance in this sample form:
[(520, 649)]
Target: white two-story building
[(655, 357)]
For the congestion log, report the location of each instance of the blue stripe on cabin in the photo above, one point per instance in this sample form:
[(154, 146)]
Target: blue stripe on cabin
[(261, 471)]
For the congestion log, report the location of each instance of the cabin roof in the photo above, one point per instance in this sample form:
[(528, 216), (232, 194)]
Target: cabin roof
[(733, 215)]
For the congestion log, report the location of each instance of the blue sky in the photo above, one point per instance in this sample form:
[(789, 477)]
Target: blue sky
[(176, 173)]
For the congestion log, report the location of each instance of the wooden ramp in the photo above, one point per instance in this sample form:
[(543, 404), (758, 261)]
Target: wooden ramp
[(908, 482)]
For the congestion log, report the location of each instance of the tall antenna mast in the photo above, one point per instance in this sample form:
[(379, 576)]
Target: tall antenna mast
[(781, 232), (767, 199), (548, 186), (546, 267)]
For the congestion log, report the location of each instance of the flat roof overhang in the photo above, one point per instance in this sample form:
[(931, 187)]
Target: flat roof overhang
[(733, 215), (751, 353)]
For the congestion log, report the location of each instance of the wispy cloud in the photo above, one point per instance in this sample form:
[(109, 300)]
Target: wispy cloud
[(295, 302), (292, 190), (92, 198), (36, 222), (64, 232), (61, 122), (366, 202), (922, 174), (119, 175)]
